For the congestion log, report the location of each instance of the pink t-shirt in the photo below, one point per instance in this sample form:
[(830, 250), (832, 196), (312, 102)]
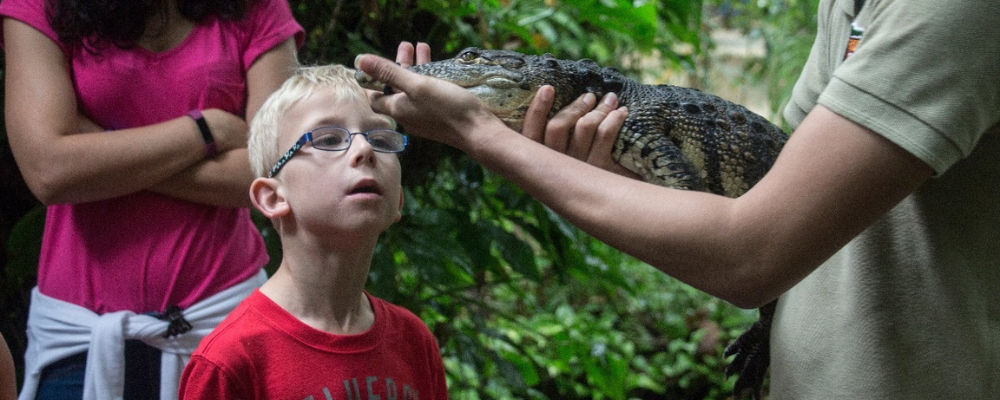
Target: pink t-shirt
[(145, 251)]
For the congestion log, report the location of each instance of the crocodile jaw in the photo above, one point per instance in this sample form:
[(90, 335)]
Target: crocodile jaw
[(509, 104), (505, 98)]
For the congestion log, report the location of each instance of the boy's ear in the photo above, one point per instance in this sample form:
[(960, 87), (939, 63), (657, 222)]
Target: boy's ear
[(267, 198)]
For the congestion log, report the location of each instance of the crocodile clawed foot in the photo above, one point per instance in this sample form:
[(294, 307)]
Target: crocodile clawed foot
[(753, 356)]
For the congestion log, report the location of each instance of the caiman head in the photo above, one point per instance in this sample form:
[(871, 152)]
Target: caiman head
[(506, 81)]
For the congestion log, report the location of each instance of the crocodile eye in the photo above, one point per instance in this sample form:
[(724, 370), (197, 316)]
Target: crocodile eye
[(468, 56)]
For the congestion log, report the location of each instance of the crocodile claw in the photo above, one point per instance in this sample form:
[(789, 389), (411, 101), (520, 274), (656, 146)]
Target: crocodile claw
[(753, 355)]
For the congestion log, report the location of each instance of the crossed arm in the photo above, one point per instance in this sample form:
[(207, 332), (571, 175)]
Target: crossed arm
[(833, 179), (65, 158)]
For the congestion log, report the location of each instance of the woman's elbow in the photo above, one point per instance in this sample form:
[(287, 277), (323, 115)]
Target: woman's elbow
[(50, 185), (45, 190)]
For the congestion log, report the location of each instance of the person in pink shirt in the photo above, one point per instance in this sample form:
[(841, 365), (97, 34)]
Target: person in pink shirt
[(128, 121)]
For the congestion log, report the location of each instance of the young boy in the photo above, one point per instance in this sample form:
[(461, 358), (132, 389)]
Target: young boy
[(311, 331)]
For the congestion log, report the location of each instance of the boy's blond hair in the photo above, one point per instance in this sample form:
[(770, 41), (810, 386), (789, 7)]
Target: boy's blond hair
[(262, 143)]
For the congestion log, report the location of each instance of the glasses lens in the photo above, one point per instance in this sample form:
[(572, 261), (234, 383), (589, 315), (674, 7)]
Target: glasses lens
[(387, 140), (330, 138)]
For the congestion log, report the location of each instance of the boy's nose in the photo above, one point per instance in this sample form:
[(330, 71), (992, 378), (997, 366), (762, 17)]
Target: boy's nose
[(360, 150)]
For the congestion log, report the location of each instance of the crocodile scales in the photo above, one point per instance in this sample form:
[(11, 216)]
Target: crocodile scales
[(673, 136)]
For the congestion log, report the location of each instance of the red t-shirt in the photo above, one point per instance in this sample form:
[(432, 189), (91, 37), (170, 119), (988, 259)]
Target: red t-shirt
[(262, 352)]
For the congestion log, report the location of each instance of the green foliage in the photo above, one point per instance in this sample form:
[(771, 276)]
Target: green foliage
[(526, 306), (607, 31), (788, 28), (17, 277)]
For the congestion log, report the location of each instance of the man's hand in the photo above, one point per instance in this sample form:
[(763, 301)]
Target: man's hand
[(584, 129), (429, 107)]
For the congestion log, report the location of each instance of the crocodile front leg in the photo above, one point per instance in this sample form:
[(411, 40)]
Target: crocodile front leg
[(657, 160)]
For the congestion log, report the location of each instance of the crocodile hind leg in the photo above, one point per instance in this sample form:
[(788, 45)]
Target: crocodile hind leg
[(753, 355)]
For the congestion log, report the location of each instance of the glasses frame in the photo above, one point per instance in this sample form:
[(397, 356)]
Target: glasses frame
[(308, 138)]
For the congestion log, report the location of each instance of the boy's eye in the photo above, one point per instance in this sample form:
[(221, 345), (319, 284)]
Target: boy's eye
[(330, 140), (380, 142), (385, 140)]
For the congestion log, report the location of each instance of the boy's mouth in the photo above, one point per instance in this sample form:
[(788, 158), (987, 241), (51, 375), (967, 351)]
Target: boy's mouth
[(366, 186)]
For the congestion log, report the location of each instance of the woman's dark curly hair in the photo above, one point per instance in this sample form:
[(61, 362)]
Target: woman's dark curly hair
[(93, 23)]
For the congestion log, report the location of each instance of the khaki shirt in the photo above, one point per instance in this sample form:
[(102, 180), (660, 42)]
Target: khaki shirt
[(910, 309)]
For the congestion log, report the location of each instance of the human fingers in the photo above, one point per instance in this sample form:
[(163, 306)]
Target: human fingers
[(404, 54), (428, 107), (604, 142), (404, 58), (382, 70), (537, 115), (407, 53), (423, 53), (586, 127), (559, 128)]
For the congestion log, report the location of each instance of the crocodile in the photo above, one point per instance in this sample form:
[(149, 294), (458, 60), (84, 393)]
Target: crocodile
[(673, 136)]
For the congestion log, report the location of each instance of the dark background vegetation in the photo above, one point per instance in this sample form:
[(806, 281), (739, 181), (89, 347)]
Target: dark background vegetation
[(523, 304)]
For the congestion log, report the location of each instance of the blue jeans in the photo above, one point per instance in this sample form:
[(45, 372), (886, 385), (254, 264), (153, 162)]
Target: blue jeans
[(64, 379)]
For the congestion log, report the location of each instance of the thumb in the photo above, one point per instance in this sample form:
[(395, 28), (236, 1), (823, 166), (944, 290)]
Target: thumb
[(383, 70)]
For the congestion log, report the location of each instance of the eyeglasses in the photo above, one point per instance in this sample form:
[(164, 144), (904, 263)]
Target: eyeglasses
[(332, 138)]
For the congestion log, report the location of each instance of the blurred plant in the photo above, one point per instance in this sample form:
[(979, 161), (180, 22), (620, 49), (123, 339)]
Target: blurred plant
[(526, 306), (787, 28), (607, 31)]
